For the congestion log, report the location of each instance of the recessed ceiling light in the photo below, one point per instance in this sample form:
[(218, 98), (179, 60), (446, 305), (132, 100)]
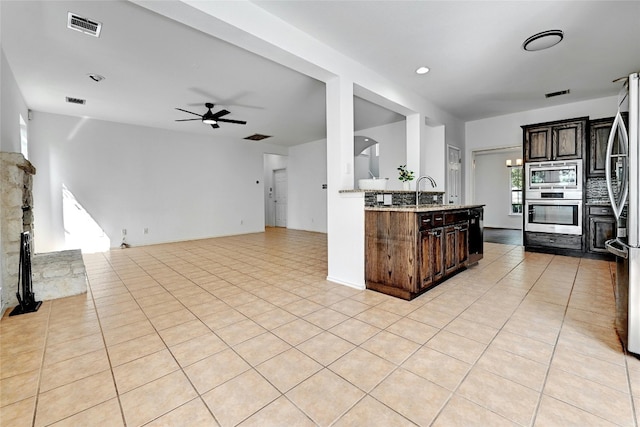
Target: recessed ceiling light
[(422, 70), (543, 40)]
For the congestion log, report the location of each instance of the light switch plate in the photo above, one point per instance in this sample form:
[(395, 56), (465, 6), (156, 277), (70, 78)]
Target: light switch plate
[(387, 200), (379, 198)]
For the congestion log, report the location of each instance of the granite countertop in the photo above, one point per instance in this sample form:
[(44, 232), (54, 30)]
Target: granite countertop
[(421, 208), (390, 191)]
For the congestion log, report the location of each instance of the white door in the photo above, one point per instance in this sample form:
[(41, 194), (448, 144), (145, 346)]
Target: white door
[(280, 191), (454, 175)]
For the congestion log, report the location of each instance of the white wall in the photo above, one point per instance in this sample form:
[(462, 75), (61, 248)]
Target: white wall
[(12, 105), (492, 179), (307, 200), (271, 162), (393, 150), (433, 156), (505, 131), (178, 185)]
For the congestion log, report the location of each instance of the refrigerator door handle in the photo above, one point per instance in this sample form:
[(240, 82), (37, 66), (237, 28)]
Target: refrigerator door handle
[(617, 248), (618, 128)]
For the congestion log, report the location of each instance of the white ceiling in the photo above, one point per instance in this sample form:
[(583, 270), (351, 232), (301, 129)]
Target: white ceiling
[(153, 64), (478, 67)]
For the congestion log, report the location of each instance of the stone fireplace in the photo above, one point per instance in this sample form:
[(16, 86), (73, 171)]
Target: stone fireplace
[(55, 275), (16, 207)]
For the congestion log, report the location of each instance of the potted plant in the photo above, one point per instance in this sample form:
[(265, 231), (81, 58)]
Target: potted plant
[(406, 176)]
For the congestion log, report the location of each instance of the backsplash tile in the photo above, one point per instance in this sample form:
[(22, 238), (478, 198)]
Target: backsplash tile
[(404, 198)]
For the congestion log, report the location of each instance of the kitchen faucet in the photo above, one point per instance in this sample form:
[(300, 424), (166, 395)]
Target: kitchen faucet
[(431, 180)]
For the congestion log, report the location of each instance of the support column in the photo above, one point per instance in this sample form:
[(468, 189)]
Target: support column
[(345, 211), (414, 127)]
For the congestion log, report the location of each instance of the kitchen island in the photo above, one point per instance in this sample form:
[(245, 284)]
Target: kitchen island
[(410, 249)]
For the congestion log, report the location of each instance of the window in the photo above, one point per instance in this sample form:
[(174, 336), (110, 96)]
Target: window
[(24, 146), (515, 185)]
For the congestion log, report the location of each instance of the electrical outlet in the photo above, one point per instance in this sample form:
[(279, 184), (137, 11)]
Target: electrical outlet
[(435, 198), (124, 231), (146, 230)]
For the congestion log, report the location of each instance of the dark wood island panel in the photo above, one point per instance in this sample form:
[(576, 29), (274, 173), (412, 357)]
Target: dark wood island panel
[(410, 251)]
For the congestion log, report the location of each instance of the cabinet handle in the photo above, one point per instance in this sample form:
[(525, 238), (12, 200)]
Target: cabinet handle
[(604, 211), (438, 218)]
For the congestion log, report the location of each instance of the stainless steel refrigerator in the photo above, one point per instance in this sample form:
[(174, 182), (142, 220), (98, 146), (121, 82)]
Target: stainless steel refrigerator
[(623, 184)]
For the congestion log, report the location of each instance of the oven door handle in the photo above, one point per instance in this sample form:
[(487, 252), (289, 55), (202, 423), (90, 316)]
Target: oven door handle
[(617, 248)]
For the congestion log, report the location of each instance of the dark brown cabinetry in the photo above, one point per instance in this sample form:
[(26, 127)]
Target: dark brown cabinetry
[(562, 140), (431, 257), (602, 227), (456, 239), (598, 138), (408, 252)]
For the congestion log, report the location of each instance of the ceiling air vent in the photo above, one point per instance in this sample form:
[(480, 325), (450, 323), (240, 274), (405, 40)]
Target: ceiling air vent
[(552, 94), (84, 25), (257, 137), (76, 100)]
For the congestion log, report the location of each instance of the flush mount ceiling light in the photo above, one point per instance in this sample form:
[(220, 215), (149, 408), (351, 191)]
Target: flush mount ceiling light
[(543, 40), (422, 70)]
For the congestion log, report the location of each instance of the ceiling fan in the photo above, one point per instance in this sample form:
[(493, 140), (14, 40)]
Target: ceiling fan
[(211, 118)]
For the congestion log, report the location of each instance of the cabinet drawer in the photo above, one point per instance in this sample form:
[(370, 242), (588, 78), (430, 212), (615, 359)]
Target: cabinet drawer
[(425, 221), (601, 210), (438, 219), (550, 240), (454, 217)]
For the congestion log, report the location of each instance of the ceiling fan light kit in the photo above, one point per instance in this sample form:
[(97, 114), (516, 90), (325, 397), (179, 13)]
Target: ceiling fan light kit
[(210, 118)]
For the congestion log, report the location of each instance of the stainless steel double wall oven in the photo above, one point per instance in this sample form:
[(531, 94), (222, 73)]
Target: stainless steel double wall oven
[(553, 198)]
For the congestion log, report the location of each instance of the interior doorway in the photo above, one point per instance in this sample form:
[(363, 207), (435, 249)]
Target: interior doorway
[(280, 187), (454, 175), (272, 162)]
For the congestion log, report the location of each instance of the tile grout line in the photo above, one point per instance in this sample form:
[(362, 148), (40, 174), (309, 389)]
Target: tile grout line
[(454, 392), (164, 342), (553, 352), (44, 354)]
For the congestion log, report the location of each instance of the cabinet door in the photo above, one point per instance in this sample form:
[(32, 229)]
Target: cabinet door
[(601, 229), (426, 263), (567, 140), (599, 137), (462, 244), (436, 253), (537, 144), (431, 261), (450, 246)]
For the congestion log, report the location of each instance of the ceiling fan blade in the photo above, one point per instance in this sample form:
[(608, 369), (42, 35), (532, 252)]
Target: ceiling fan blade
[(220, 113), (186, 120), (190, 112), (216, 126), (238, 122)]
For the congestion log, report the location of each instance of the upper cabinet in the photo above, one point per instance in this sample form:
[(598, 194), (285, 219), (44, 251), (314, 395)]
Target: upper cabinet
[(598, 138), (562, 140)]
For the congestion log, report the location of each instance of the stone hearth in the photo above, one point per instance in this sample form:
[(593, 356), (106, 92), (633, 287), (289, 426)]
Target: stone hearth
[(56, 274)]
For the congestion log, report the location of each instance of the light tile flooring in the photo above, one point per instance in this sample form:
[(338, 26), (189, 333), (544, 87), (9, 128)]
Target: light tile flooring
[(245, 330)]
